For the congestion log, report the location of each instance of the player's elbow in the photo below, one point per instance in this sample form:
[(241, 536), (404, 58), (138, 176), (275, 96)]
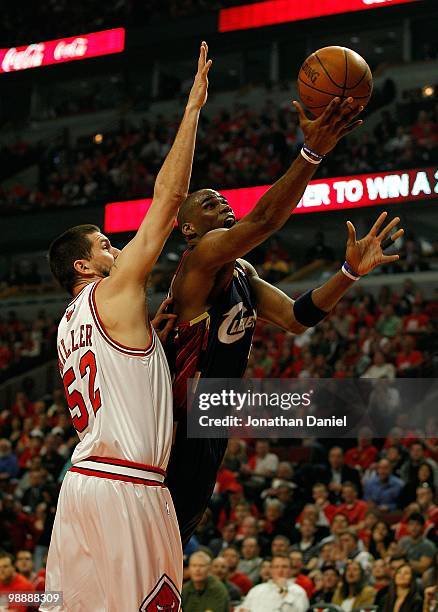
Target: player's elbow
[(296, 328)]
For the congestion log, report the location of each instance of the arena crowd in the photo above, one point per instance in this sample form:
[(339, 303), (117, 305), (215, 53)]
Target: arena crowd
[(350, 522)]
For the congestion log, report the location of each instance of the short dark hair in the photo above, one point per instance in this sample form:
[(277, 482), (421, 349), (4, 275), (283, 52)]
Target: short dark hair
[(73, 244), (417, 518), (330, 567), (349, 483)]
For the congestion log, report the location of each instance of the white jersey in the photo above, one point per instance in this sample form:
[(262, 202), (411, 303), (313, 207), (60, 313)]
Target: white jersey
[(120, 398)]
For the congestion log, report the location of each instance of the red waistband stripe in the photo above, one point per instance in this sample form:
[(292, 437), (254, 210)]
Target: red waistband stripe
[(119, 469)]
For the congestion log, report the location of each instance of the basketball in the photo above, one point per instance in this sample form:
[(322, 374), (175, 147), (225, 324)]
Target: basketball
[(331, 72)]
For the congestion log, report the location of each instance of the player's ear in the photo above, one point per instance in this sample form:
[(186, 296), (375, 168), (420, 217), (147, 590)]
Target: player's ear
[(82, 266), (188, 231)]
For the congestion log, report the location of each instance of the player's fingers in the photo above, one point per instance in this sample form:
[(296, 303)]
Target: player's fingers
[(378, 223), (350, 113), (330, 109), (166, 329), (349, 128), (387, 229), (389, 258), (351, 233), (300, 110), (390, 241), (207, 68), (202, 57), (164, 304)]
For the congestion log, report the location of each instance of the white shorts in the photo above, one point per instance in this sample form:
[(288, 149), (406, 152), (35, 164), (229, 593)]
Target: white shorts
[(115, 547)]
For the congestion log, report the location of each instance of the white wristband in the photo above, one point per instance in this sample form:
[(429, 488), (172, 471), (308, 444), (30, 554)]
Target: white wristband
[(350, 276), (309, 159)]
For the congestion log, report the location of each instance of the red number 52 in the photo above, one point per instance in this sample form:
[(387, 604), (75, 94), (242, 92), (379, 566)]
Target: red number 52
[(75, 398)]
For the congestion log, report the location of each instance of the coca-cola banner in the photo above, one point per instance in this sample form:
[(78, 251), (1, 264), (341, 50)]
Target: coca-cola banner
[(281, 11), (62, 50), (383, 188)]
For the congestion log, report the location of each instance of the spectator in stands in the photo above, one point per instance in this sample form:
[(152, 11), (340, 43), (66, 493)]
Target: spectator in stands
[(409, 359), (228, 537), (203, 592), (11, 580), (425, 500), (353, 591), (403, 594), (277, 592), (380, 575), (364, 454), (33, 495), (353, 508), (52, 461), (296, 572), (24, 565), (265, 571), (280, 545), (410, 469), (418, 550), (219, 569), (351, 551), (330, 580), (339, 525), (235, 455), (381, 538), (251, 561), (320, 494), (389, 324), (380, 367), (307, 543), (418, 322), (339, 472), (383, 488), (8, 460), (240, 579), (393, 564), (262, 465)]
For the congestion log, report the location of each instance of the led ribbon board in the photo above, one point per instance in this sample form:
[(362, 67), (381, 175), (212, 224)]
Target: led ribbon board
[(359, 191), (274, 12), (62, 50)]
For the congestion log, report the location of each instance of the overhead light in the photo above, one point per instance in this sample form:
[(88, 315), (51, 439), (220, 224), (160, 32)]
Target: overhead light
[(98, 138), (428, 91)]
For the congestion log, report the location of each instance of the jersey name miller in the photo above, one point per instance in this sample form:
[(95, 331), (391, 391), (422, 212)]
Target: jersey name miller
[(76, 339), (237, 320)]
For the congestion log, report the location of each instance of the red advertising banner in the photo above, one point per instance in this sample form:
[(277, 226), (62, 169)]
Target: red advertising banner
[(384, 188), (62, 50), (282, 11)]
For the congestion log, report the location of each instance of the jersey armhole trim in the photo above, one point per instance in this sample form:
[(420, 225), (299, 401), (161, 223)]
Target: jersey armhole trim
[(126, 350)]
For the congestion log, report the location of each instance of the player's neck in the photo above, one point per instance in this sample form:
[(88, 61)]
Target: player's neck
[(82, 284)]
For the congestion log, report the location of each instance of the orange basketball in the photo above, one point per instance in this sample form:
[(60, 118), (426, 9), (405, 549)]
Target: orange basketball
[(331, 72)]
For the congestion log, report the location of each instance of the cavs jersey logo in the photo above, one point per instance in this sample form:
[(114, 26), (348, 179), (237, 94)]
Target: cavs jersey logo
[(237, 320), (163, 598)]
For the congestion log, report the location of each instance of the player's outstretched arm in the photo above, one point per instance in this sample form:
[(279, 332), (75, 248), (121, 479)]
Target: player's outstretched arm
[(361, 257), (274, 208), (171, 187)]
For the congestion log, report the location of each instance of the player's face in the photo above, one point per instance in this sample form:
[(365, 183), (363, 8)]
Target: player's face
[(103, 254), (212, 212)]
